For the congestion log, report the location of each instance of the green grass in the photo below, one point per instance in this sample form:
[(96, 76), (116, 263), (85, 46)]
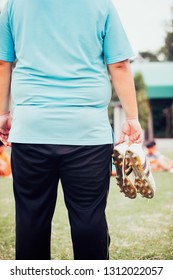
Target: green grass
[(140, 229)]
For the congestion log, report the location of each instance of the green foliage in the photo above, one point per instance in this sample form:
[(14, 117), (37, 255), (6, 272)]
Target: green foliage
[(167, 49), (149, 56), (171, 111), (165, 53), (139, 82), (111, 114), (142, 100), (114, 98), (143, 108)]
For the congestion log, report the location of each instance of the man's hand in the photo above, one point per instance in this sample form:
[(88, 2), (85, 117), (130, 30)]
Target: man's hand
[(5, 84), (5, 125), (133, 130)]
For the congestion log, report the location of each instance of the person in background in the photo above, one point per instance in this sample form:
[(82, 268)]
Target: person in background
[(158, 161), (5, 165)]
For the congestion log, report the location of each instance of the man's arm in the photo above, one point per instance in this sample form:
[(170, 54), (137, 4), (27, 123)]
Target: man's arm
[(5, 84), (123, 82)]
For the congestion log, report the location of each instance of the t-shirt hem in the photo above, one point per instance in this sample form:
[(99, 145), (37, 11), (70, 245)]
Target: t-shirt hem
[(7, 58), (60, 141), (120, 58)]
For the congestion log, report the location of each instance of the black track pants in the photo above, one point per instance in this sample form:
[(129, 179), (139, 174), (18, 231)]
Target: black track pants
[(84, 172)]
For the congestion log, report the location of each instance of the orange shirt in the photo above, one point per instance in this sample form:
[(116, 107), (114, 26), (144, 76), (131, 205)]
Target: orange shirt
[(5, 165)]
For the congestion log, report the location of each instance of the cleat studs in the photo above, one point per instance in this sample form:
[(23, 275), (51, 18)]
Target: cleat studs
[(134, 156), (120, 157)]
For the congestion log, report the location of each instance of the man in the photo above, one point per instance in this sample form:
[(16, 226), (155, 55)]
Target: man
[(60, 129)]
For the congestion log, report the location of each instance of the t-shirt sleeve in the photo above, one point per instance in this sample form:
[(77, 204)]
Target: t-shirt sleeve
[(116, 46), (7, 52)]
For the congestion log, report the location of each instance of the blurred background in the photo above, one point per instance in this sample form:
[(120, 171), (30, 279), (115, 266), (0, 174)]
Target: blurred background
[(140, 228), (149, 26)]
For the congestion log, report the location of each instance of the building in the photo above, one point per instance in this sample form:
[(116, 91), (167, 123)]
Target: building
[(158, 78)]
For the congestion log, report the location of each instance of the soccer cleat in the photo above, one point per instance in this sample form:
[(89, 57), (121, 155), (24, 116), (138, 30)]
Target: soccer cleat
[(144, 181), (124, 174)]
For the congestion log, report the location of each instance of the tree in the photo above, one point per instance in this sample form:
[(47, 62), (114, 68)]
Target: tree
[(142, 100), (165, 53), (167, 49), (149, 56)]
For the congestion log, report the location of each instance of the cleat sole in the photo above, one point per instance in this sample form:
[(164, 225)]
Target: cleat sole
[(142, 183)]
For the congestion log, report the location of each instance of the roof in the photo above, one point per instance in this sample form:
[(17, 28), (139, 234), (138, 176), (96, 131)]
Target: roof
[(158, 77)]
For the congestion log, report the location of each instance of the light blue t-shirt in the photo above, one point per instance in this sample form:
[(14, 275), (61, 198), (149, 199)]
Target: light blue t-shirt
[(60, 86)]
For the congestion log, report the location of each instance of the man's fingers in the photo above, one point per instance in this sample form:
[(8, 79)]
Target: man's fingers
[(139, 140), (122, 137), (133, 130), (4, 142), (5, 125), (4, 131), (4, 139), (136, 138)]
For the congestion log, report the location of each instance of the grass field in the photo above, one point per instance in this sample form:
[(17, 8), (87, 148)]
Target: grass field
[(140, 229)]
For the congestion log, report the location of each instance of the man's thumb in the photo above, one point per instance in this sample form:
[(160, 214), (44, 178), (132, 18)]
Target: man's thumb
[(122, 137), (9, 123)]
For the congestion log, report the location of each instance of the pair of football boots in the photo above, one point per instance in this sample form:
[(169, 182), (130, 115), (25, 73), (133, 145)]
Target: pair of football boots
[(133, 172)]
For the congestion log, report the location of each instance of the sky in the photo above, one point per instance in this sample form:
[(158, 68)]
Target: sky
[(144, 22)]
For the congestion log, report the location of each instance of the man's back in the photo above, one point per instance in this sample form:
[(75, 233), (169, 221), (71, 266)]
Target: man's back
[(61, 76), (59, 41)]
